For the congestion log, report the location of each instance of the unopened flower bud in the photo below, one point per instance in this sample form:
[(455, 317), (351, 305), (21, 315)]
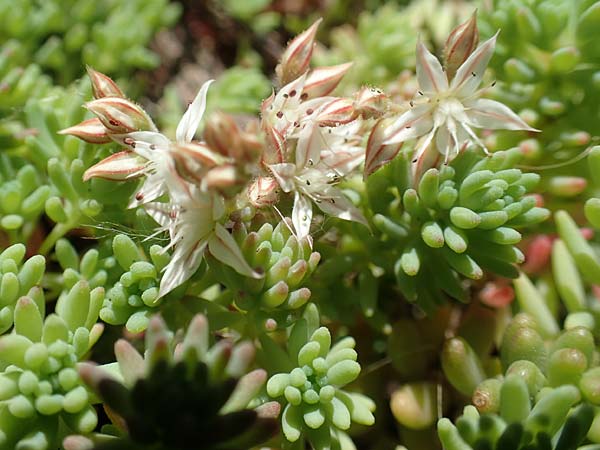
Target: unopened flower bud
[(120, 116), (460, 44), (118, 167), (370, 102), (221, 177), (223, 135), (263, 192), (337, 112), (275, 146), (322, 80), (91, 130), (193, 159), (296, 57), (103, 86)]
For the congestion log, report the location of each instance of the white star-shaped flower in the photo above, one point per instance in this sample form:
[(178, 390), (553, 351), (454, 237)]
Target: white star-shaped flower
[(449, 111)]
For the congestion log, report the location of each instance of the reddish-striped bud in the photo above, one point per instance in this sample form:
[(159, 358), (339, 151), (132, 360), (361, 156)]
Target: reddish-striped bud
[(91, 130), (322, 80), (120, 115), (117, 167), (460, 44), (102, 85), (337, 112), (296, 57)]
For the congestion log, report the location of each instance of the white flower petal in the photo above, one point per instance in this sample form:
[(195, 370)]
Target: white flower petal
[(152, 188), (430, 75), (284, 174), (493, 115), (469, 75), (162, 213), (342, 161), (309, 145), (410, 125), (183, 264), (224, 248), (337, 205), (188, 125), (135, 138), (302, 215)]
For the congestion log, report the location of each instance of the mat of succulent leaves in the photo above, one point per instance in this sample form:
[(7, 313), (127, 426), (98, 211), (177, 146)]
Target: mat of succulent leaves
[(292, 161)]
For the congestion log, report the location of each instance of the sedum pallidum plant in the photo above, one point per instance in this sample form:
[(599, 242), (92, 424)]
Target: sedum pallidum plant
[(337, 273)]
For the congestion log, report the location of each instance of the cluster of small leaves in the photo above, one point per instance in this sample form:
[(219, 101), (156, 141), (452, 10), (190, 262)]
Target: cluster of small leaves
[(554, 78), (134, 298), (63, 36), (314, 372), (18, 278), (285, 261), (462, 216), (41, 395), (548, 425), (542, 381), (180, 395)]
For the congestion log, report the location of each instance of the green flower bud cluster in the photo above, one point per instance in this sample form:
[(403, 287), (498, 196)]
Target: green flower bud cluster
[(459, 220), (22, 199), (180, 394), (41, 394), (554, 79), (317, 409), (18, 278), (286, 262), (134, 297), (63, 36)]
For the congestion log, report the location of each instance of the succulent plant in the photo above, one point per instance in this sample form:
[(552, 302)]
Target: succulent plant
[(64, 36), (317, 409), (464, 215), (180, 395), (553, 78), (42, 397), (286, 262), (18, 278)]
